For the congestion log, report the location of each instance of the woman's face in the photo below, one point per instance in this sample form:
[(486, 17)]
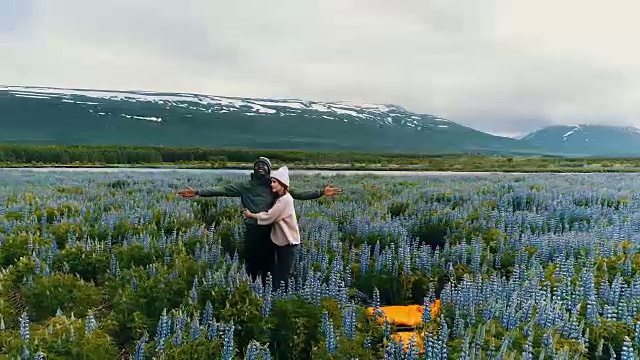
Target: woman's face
[(275, 186)]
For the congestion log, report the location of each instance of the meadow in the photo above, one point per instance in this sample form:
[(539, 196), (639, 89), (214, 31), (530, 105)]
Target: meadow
[(116, 265)]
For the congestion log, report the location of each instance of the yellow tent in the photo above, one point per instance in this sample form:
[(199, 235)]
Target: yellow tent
[(406, 316), (405, 338)]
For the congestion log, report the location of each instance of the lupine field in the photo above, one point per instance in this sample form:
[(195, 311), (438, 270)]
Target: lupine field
[(115, 265)]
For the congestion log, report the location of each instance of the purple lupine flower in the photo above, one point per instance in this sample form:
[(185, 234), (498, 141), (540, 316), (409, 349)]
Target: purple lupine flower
[(24, 327), (207, 316), (194, 290), (627, 350), (90, 323), (349, 321), (194, 332), (331, 341), (140, 348), (254, 351), (228, 345), (163, 331), (266, 305)]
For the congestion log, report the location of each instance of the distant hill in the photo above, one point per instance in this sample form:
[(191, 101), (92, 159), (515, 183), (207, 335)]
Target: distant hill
[(31, 115), (587, 140)]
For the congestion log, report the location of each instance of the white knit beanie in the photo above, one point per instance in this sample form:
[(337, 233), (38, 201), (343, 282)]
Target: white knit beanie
[(282, 175)]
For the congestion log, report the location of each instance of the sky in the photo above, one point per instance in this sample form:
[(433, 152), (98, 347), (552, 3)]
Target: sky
[(500, 66)]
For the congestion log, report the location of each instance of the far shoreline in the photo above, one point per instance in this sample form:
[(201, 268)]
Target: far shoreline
[(331, 167)]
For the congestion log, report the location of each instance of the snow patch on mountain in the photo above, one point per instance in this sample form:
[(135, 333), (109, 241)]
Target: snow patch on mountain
[(149, 118), (527, 136), (29, 95), (632, 130), (570, 132)]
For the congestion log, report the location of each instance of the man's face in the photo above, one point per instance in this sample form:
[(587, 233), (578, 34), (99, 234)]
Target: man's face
[(260, 169)]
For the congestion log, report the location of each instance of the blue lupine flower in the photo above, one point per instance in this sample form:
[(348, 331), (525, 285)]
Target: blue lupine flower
[(24, 327), (90, 323), (228, 347), (140, 348)]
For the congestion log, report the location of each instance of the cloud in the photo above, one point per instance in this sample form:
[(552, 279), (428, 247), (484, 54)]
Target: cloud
[(15, 16), (496, 65)]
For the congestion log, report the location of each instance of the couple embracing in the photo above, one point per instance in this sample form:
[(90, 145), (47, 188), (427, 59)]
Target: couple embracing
[(271, 235)]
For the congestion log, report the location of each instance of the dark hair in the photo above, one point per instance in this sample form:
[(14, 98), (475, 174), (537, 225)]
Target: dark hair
[(286, 188)]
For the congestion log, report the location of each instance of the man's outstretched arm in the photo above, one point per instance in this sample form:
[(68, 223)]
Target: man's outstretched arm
[(306, 194), (228, 190), (314, 194)]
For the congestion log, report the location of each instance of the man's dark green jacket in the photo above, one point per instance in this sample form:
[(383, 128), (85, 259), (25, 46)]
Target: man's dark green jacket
[(256, 195)]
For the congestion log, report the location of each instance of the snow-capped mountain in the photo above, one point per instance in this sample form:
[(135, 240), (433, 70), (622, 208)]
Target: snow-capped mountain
[(78, 116), (588, 140), (386, 115)]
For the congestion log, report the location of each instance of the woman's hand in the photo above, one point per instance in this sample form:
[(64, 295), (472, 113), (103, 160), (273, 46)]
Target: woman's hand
[(248, 214)]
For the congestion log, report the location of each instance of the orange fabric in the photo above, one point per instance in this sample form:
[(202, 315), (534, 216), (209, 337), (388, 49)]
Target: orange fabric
[(407, 315), (435, 309), (405, 337)]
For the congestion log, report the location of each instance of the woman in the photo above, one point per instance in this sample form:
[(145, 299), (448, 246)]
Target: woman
[(285, 235)]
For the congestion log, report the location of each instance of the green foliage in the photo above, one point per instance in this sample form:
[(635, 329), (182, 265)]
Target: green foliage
[(295, 328), (66, 292), (242, 308), (60, 337), (13, 249)]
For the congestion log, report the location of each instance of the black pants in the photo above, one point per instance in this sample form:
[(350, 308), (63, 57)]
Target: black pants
[(263, 256), (258, 251), (284, 260)]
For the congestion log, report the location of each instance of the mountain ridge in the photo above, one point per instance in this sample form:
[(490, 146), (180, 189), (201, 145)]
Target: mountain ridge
[(85, 116), (55, 115), (587, 139)]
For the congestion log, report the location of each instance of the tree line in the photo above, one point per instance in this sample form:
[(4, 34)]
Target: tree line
[(114, 154), (108, 154)]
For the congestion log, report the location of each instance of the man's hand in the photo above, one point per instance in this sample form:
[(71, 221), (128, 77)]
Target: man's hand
[(329, 190), (188, 192)]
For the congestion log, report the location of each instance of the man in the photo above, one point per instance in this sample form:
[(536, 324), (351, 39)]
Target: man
[(256, 195)]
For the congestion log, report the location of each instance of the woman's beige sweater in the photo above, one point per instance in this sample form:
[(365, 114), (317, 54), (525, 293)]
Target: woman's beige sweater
[(285, 224)]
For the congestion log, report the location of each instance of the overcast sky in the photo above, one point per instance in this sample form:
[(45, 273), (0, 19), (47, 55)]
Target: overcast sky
[(502, 66)]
